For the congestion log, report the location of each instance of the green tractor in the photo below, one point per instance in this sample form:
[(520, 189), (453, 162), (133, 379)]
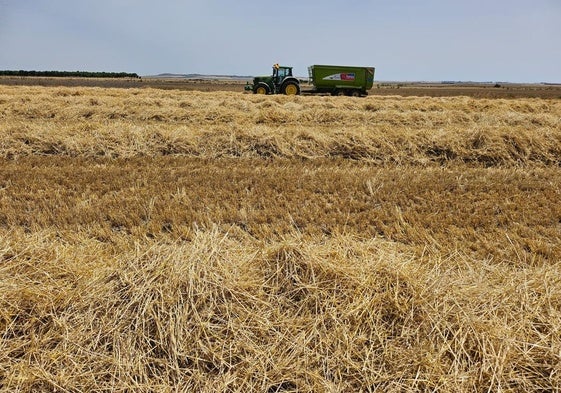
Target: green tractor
[(281, 82)]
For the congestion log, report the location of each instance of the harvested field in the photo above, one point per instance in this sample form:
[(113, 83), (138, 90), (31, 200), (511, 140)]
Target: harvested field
[(403, 89), (93, 122), (163, 240)]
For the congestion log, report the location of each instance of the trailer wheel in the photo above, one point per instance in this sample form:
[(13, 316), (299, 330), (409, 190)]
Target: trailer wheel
[(290, 88), (339, 93), (355, 93)]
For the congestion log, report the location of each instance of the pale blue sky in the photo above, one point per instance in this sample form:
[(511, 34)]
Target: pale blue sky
[(479, 40)]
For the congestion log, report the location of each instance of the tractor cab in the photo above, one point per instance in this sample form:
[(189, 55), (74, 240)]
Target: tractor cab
[(280, 73)]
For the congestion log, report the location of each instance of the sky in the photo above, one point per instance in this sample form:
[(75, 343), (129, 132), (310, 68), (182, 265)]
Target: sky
[(406, 40)]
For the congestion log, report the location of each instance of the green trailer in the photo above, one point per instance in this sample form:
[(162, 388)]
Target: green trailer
[(341, 80)]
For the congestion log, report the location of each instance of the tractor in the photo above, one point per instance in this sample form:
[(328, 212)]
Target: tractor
[(280, 82)]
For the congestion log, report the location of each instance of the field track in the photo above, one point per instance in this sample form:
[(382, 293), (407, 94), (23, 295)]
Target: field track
[(162, 240)]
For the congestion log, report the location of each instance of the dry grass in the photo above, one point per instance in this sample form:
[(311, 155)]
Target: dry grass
[(509, 214), (169, 241), (127, 123), (211, 314)]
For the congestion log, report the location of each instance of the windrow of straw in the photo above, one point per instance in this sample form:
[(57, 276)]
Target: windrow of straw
[(208, 315), (94, 122)]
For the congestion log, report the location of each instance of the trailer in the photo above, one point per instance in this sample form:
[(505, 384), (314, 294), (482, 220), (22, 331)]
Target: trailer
[(341, 80), (325, 79)]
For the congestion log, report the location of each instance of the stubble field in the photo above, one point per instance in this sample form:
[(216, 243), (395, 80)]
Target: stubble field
[(166, 240)]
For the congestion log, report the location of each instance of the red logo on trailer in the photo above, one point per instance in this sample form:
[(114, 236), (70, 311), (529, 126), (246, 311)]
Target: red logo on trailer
[(348, 77)]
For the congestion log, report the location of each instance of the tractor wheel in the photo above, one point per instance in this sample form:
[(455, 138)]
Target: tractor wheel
[(262, 89), (291, 88)]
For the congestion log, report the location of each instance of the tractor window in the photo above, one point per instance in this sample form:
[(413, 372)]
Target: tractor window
[(282, 73)]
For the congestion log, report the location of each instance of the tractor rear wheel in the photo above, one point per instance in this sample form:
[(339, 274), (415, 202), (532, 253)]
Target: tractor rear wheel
[(291, 88)]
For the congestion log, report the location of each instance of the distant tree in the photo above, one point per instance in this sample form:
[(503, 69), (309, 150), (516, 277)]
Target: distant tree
[(82, 74)]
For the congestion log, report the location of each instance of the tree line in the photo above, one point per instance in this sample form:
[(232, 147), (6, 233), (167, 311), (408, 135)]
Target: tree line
[(81, 74)]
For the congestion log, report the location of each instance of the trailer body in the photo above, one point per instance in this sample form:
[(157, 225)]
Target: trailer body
[(341, 80)]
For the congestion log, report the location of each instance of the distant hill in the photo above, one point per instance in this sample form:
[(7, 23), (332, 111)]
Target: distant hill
[(199, 76)]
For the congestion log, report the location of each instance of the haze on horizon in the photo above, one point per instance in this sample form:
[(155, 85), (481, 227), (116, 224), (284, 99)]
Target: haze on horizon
[(406, 40)]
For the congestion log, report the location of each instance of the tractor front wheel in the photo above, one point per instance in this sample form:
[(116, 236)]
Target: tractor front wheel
[(262, 89)]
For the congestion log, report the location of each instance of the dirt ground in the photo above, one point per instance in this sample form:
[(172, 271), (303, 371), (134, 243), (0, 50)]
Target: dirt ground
[(405, 89)]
